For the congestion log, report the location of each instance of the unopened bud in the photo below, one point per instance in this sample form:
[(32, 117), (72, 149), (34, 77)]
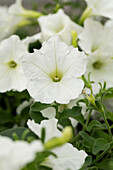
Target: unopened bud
[(91, 99), (66, 137)]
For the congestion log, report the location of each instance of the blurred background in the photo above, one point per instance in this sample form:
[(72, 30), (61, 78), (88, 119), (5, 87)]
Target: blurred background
[(73, 8), (40, 4)]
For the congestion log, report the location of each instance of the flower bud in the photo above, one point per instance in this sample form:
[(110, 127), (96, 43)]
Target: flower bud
[(66, 137)]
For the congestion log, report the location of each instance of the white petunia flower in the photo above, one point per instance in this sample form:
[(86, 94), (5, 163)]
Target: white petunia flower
[(101, 7), (100, 65), (6, 23), (57, 24), (13, 17), (68, 157), (53, 72), (11, 71), (96, 40), (49, 125), (15, 155), (94, 36)]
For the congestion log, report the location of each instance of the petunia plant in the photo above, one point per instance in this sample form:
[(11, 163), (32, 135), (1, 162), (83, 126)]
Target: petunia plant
[(56, 85)]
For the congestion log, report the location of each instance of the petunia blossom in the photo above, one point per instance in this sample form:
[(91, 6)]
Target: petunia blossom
[(11, 71), (100, 65), (6, 23), (100, 8), (15, 155), (68, 157), (96, 40), (54, 71), (57, 24), (95, 36)]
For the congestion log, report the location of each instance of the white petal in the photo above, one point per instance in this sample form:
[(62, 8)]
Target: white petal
[(94, 36), (101, 7), (68, 157), (15, 155), (16, 8), (57, 24), (49, 112), (6, 28), (50, 128)]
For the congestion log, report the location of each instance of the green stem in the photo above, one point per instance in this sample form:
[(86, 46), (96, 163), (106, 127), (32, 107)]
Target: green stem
[(30, 14), (105, 119), (87, 121), (91, 90), (25, 23), (84, 128), (86, 14)]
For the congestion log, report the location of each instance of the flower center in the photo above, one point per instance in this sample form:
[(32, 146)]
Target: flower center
[(56, 76), (97, 65), (56, 79), (12, 64)]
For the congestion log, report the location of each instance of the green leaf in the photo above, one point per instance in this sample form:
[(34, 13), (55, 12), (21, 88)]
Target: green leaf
[(37, 116), (88, 161), (18, 131), (35, 113), (5, 117), (106, 164), (74, 113), (97, 133), (88, 139), (37, 107), (95, 123), (100, 145), (65, 122)]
